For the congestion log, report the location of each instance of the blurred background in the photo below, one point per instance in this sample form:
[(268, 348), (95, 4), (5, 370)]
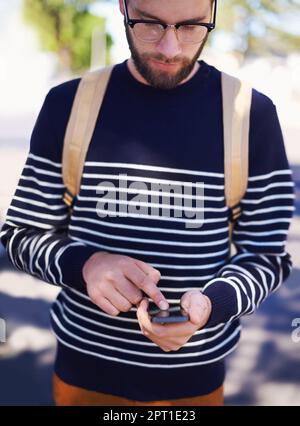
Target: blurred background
[(46, 42)]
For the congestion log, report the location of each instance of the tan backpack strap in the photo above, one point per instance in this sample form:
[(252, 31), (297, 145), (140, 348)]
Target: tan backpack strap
[(80, 128), (237, 96)]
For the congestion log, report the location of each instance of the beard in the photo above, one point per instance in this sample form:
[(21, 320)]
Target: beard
[(160, 79)]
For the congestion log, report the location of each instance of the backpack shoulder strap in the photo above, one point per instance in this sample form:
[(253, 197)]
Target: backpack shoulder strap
[(236, 98), (80, 128)]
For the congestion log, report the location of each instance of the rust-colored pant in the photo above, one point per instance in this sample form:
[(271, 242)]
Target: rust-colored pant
[(65, 394)]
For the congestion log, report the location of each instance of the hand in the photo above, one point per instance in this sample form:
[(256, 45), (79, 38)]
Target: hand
[(115, 282), (171, 337)]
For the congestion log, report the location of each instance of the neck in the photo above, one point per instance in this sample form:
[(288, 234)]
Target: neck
[(132, 68)]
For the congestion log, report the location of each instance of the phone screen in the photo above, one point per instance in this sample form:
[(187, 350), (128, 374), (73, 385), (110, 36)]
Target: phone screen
[(171, 315)]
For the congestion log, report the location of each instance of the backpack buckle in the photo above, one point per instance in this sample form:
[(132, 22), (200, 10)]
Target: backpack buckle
[(69, 198), (235, 212)]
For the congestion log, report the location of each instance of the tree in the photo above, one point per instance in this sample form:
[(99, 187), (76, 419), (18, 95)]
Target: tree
[(65, 27), (259, 27)]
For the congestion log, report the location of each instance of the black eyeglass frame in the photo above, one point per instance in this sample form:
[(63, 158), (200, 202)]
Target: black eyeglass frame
[(131, 22)]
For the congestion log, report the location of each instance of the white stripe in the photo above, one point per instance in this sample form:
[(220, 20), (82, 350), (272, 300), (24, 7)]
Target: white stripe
[(152, 168), (150, 228), (147, 241), (142, 179), (269, 209), (124, 177), (38, 192), (264, 222), (268, 175), (145, 354), (58, 255), (44, 160), (188, 267), (280, 278), (241, 285), (100, 313), (38, 267), (118, 318), (153, 253), (269, 271), (29, 222), (43, 171), (47, 258), (10, 246), (248, 277), (41, 215), (150, 192), (256, 234), (32, 248), (22, 249), (2, 233), (269, 197), (42, 183), (265, 286), (43, 240), (40, 204), (183, 289), (63, 308), (113, 201), (185, 278), (271, 185), (236, 288), (107, 213), (191, 364), (260, 244)]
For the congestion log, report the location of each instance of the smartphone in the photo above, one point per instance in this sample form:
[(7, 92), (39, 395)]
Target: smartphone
[(171, 315)]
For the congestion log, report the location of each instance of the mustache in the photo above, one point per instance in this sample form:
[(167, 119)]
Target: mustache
[(168, 61)]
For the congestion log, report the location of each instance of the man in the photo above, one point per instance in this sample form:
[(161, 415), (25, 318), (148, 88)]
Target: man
[(160, 125)]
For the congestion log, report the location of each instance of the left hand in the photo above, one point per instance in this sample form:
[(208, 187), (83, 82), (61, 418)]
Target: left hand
[(171, 337)]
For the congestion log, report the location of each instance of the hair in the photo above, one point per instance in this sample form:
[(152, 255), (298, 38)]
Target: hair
[(211, 2)]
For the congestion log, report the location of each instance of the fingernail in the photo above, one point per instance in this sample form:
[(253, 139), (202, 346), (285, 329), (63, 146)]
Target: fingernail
[(163, 305)]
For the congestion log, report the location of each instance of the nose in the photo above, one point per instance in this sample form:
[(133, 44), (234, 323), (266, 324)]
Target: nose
[(169, 45)]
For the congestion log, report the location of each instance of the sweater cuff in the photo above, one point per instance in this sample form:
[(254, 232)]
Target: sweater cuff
[(223, 299), (71, 263)]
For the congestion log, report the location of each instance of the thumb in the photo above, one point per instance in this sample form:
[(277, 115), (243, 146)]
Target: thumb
[(191, 302), (143, 303)]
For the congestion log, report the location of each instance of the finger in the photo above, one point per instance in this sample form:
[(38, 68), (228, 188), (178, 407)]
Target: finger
[(117, 300), (128, 290), (180, 330), (149, 287), (134, 273), (149, 284), (199, 312), (106, 306), (148, 269), (189, 297), (143, 315), (195, 304)]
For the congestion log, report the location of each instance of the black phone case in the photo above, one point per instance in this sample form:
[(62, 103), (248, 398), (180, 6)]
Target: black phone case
[(171, 315)]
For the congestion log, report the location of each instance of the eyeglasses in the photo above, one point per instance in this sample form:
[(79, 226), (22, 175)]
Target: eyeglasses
[(152, 31)]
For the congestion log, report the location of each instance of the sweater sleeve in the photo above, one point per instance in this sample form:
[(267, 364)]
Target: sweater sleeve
[(35, 233), (261, 263)]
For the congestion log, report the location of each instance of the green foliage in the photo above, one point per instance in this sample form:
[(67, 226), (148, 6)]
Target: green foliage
[(65, 27), (259, 25)]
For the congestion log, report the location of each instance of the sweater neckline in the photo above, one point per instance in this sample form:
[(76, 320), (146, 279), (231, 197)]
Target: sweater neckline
[(202, 72)]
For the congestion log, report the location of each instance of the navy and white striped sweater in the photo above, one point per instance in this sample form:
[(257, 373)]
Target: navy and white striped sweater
[(152, 136)]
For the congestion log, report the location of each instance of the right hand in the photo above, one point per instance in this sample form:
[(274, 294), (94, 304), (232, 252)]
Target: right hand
[(115, 282)]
